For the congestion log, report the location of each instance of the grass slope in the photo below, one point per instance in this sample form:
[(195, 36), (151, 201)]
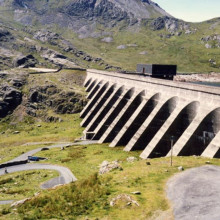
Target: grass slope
[(90, 196), (187, 50)]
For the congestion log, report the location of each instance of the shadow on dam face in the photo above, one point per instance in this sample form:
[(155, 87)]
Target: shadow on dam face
[(114, 114), (156, 124), (95, 99), (88, 82), (177, 128), (106, 109), (203, 135), (139, 120), (100, 104), (95, 90), (125, 117), (91, 86)]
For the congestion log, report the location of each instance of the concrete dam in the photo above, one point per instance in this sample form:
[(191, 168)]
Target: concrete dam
[(148, 114)]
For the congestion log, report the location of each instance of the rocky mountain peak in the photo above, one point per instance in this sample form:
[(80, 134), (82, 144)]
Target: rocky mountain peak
[(82, 16), (113, 9)]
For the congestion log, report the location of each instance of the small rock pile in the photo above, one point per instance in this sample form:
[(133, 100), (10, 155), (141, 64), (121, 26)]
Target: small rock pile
[(131, 159), (106, 167), (125, 199)]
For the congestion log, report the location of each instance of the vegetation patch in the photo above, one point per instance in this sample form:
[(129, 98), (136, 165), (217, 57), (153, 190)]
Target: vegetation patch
[(20, 185), (80, 198), (90, 196)]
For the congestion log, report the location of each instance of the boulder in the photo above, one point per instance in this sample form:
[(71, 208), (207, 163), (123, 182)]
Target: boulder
[(4, 108), (45, 36), (18, 82), (107, 39), (13, 97), (143, 53), (180, 168), (158, 24), (136, 193), (5, 35), (106, 167), (25, 61), (124, 199), (121, 47), (132, 45), (208, 46)]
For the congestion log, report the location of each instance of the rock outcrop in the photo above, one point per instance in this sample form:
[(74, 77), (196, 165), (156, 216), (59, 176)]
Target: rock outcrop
[(211, 41), (82, 16), (10, 98), (172, 25)]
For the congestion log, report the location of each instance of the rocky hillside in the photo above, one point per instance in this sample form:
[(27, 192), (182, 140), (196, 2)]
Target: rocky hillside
[(44, 95), (82, 16), (105, 34)]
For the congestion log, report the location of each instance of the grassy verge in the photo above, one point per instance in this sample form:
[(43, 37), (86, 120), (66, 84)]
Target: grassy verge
[(29, 131), (90, 196), (21, 185)]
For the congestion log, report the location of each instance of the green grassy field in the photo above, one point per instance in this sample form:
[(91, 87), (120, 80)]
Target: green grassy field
[(90, 196), (11, 145), (21, 185)]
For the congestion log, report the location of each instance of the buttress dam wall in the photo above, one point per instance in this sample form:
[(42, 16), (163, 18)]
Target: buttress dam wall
[(143, 113)]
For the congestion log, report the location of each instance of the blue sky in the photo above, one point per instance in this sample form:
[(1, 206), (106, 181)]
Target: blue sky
[(191, 10)]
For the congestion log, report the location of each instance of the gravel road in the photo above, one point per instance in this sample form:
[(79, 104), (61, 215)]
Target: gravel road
[(6, 202), (195, 193), (32, 152), (65, 176)]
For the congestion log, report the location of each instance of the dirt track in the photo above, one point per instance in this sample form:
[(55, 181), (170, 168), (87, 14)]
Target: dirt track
[(195, 193)]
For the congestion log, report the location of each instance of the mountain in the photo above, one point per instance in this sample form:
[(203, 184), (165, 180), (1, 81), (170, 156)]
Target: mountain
[(82, 16), (106, 34)]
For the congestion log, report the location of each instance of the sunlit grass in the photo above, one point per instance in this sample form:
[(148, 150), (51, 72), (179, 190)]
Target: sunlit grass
[(84, 162)]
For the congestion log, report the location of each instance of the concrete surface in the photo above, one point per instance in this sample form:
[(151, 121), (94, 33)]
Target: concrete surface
[(200, 136), (195, 193)]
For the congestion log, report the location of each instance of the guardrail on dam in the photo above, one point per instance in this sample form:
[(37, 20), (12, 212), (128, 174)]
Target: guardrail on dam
[(143, 113)]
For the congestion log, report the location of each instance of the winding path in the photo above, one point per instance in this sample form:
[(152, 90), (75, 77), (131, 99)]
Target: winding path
[(65, 177)]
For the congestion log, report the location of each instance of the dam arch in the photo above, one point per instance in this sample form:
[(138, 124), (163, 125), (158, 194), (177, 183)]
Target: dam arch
[(97, 107), (177, 128), (125, 98), (95, 98), (89, 88), (135, 103), (106, 109), (155, 125), (88, 82), (95, 89), (138, 120), (204, 134)]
